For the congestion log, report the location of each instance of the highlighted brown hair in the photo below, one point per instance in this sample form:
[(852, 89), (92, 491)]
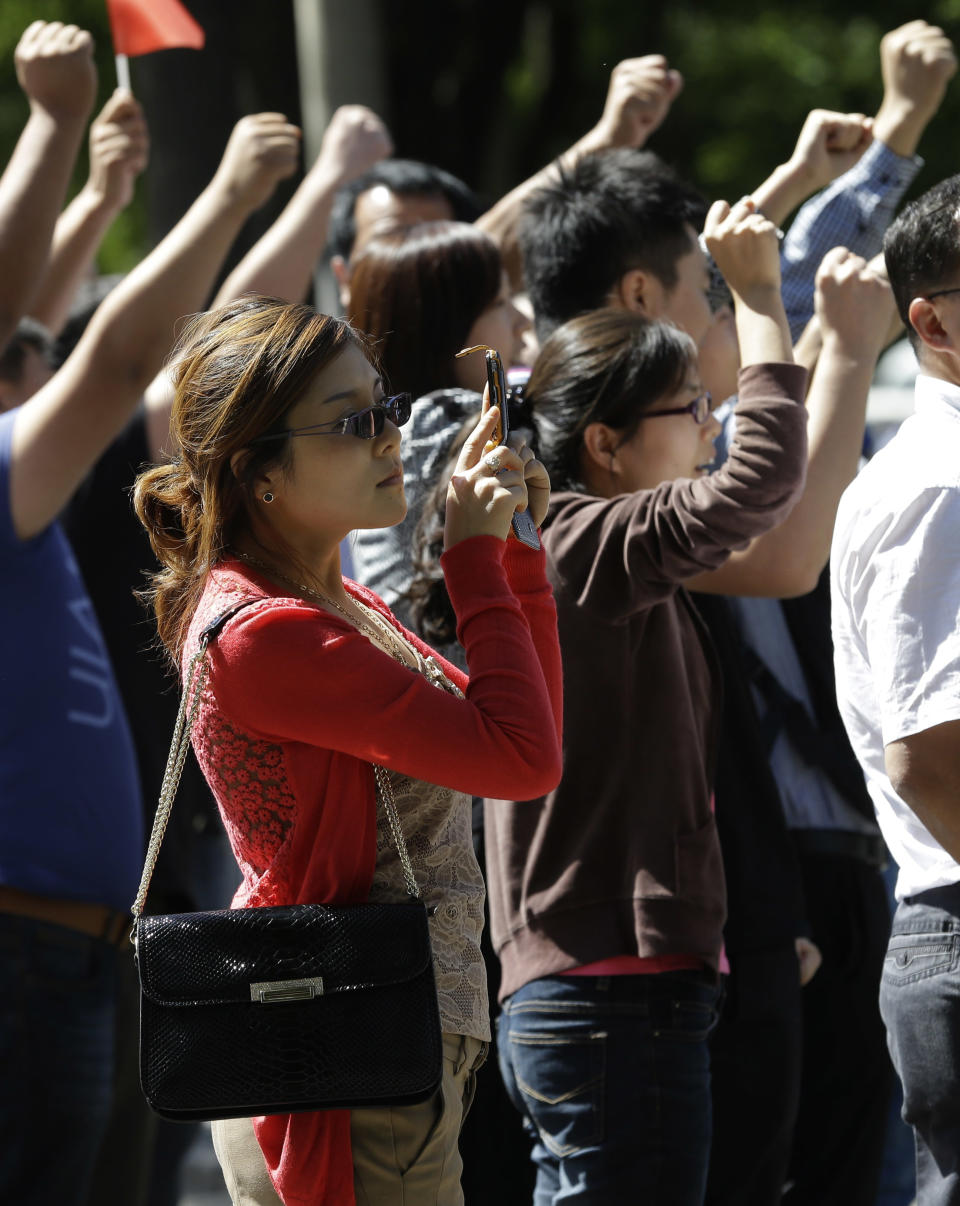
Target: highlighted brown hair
[(417, 292), (237, 372)]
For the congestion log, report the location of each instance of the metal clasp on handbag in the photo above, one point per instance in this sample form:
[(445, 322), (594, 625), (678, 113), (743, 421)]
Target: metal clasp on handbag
[(272, 992)]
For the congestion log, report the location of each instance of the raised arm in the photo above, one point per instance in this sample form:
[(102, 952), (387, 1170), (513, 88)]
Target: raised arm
[(55, 69), (281, 263), (917, 62), (829, 145), (855, 309), (639, 97), (64, 427), (743, 244), (619, 555), (119, 146), (497, 740)]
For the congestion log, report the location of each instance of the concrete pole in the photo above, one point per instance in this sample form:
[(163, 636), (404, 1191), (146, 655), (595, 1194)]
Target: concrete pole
[(340, 61)]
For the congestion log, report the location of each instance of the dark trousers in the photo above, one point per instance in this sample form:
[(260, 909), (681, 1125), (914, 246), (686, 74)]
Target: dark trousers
[(847, 1076), (755, 1055), (494, 1145), (920, 1004), (612, 1074), (56, 1059)]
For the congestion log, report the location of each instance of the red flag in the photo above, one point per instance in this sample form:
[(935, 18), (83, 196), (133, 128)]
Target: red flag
[(143, 26)]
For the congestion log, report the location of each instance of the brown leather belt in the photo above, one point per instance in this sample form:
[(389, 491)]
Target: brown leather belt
[(97, 921)]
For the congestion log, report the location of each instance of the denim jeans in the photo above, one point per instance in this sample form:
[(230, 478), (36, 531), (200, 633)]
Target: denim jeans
[(612, 1076), (56, 1057), (920, 1005)]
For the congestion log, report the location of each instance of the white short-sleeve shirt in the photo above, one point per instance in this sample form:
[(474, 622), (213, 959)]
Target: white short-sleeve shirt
[(895, 577)]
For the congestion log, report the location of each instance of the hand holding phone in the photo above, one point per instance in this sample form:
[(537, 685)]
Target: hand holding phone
[(523, 526)]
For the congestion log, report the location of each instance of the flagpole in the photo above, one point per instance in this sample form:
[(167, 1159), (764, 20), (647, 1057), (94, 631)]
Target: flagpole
[(123, 71)]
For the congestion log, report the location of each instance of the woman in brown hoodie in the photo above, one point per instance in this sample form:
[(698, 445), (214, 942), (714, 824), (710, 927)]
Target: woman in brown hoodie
[(607, 896)]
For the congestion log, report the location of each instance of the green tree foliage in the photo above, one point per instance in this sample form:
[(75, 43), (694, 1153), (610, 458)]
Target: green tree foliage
[(492, 89), (525, 78)]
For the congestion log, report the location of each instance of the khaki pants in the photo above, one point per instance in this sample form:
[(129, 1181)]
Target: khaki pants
[(402, 1156)]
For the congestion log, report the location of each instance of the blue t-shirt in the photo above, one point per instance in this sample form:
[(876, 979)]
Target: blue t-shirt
[(70, 811)]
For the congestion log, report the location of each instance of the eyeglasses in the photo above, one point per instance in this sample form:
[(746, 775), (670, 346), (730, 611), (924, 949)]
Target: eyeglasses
[(365, 424), (699, 408), (940, 293)]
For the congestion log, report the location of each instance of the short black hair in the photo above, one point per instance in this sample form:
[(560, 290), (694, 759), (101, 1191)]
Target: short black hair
[(613, 211), (29, 334), (408, 177), (922, 247)]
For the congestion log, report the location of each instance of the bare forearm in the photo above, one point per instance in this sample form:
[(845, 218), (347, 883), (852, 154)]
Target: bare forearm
[(836, 409), (67, 424), (788, 560), (281, 264), (806, 350), (784, 190), (900, 126), (137, 321), (76, 240), (762, 328), (32, 192)]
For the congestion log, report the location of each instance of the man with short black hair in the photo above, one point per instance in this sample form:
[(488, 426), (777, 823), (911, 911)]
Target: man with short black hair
[(896, 618), (619, 227), (394, 192)]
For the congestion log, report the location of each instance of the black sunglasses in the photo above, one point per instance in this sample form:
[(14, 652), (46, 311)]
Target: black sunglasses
[(365, 424)]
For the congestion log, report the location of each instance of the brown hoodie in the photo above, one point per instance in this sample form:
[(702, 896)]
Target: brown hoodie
[(623, 857)]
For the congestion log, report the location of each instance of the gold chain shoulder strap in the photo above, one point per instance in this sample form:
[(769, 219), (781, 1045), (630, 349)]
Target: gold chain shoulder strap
[(196, 678)]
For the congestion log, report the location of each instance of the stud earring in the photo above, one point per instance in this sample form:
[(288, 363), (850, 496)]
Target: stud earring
[(267, 497)]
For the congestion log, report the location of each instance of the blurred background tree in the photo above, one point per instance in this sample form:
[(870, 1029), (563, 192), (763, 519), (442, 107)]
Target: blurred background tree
[(492, 90)]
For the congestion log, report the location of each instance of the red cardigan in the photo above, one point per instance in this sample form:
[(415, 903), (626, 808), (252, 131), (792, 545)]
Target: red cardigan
[(297, 707)]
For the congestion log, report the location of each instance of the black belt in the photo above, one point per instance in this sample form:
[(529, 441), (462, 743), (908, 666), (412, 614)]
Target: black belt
[(866, 848)]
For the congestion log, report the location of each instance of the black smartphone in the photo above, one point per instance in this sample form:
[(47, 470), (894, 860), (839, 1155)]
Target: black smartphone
[(523, 526)]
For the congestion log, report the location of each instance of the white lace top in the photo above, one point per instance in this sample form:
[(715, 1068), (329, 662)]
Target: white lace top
[(437, 827)]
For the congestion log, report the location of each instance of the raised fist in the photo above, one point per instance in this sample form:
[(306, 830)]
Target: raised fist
[(55, 69), (353, 142), (917, 61), (639, 97), (830, 144), (745, 246), (263, 150), (854, 302)]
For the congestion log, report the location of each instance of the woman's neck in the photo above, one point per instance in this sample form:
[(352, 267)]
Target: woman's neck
[(317, 568)]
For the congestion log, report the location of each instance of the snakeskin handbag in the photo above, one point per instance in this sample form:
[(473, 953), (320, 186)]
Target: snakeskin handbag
[(245, 1012)]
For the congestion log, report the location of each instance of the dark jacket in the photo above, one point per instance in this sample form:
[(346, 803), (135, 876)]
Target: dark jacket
[(623, 858)]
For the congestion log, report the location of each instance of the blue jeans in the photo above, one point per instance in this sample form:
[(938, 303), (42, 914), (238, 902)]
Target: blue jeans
[(56, 1059), (612, 1076), (920, 1005)]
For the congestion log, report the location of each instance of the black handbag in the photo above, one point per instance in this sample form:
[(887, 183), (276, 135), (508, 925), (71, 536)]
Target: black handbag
[(245, 1012)]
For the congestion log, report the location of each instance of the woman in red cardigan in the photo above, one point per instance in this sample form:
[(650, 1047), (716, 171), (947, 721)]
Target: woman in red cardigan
[(284, 443)]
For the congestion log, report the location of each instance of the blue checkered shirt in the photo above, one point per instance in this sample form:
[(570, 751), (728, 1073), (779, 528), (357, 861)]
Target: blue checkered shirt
[(852, 212)]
